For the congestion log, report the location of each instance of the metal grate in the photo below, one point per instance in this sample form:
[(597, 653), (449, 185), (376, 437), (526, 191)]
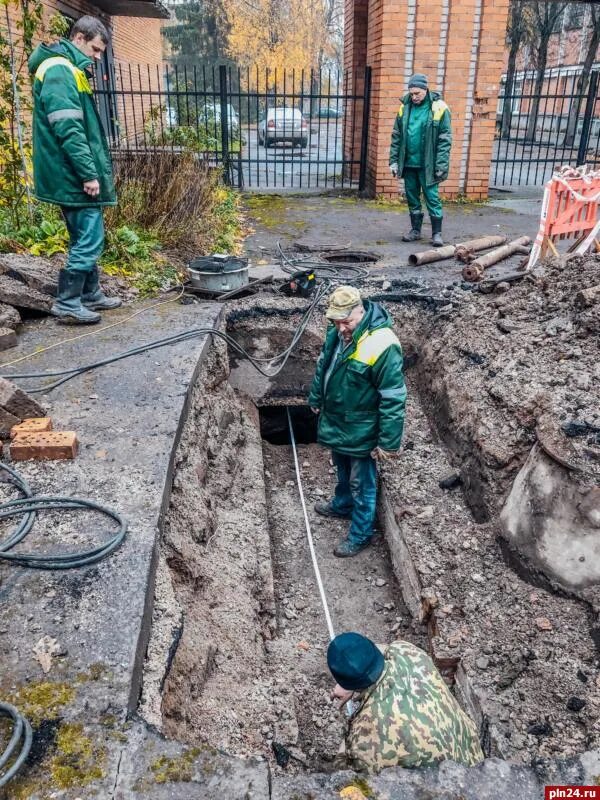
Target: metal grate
[(541, 127), (235, 119)]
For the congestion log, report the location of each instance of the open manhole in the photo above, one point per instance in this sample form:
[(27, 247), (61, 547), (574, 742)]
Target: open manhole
[(350, 257)]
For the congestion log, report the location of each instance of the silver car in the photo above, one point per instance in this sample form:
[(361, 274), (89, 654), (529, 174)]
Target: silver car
[(283, 125)]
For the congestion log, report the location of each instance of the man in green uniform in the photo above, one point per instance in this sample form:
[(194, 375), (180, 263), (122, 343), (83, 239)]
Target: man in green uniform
[(405, 715), (72, 167), (359, 394), (420, 153)]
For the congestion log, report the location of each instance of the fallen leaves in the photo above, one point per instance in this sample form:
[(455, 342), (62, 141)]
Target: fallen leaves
[(44, 650)]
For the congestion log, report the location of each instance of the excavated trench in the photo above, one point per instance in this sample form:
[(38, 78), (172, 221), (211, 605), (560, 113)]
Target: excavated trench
[(237, 654)]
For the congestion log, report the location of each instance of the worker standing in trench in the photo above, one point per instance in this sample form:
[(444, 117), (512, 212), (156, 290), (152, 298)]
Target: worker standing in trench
[(420, 154), (405, 714), (359, 394), (72, 167)]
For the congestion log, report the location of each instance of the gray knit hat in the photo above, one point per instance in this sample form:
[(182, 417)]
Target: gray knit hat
[(418, 81)]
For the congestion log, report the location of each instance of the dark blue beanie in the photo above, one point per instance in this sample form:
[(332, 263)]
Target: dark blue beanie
[(354, 661), (418, 81)]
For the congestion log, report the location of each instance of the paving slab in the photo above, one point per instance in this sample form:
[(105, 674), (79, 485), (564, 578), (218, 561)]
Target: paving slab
[(127, 417)]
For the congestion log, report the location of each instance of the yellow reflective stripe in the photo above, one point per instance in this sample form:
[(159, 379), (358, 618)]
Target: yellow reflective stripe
[(438, 107), (401, 110), (83, 85), (372, 345)]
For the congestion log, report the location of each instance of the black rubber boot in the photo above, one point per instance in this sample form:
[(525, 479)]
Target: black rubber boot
[(436, 232), (93, 297), (68, 307), (416, 221)]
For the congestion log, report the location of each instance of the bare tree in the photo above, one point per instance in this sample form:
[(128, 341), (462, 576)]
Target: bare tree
[(584, 78), (547, 16), (520, 32)]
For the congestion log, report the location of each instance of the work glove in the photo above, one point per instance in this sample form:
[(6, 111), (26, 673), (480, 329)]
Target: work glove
[(383, 455), (394, 170)]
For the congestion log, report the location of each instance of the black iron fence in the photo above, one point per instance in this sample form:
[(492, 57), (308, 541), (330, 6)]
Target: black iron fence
[(542, 125), (282, 129)]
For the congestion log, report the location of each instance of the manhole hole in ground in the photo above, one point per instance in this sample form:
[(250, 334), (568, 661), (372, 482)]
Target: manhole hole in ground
[(351, 257)]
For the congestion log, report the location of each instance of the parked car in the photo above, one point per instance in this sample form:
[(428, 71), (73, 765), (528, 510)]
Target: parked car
[(283, 125), (328, 112)]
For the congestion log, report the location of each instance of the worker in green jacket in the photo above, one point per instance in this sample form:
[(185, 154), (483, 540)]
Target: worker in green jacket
[(420, 153), (72, 166), (404, 713), (359, 394)]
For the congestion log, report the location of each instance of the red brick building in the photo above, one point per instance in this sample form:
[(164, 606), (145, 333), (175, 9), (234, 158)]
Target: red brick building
[(132, 61), (459, 44)]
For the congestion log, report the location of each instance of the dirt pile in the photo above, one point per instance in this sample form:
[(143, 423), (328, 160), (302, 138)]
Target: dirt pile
[(504, 363)]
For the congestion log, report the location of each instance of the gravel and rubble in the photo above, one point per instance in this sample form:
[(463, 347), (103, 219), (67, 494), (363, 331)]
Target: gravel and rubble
[(526, 654)]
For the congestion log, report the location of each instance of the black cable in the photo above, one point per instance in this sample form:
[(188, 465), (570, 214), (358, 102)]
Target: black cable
[(191, 333), (29, 506), (22, 738), (322, 269)]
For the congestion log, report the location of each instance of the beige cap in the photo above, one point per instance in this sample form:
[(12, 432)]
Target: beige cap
[(342, 302)]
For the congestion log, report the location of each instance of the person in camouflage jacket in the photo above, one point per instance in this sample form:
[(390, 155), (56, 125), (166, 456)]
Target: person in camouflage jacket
[(405, 714)]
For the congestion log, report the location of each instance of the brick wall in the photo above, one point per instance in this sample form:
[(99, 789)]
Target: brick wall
[(459, 44), (138, 69), (137, 51)]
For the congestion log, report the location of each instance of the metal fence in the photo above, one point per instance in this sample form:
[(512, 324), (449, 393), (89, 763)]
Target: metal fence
[(541, 128), (282, 129)]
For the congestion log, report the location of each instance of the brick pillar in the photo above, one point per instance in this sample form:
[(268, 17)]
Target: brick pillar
[(459, 44), (355, 61)]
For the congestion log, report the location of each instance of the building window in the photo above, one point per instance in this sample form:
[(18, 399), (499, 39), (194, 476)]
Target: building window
[(575, 14)]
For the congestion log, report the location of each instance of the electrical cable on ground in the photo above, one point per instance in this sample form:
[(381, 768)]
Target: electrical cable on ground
[(334, 273), (22, 737), (29, 506), (311, 545), (96, 331), (278, 361)]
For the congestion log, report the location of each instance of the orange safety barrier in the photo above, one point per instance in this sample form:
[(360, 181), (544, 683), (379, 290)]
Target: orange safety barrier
[(570, 210)]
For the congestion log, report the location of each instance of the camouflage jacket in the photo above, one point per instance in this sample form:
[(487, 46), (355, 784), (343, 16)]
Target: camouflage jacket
[(409, 717)]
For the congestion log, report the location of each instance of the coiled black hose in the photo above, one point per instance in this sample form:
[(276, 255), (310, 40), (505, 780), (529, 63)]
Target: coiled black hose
[(19, 744), (29, 506)]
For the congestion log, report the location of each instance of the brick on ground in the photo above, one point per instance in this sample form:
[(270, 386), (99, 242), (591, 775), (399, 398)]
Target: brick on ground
[(45, 446), (34, 425)]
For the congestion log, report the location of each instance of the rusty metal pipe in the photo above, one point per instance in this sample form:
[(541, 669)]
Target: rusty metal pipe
[(441, 253), (473, 271)]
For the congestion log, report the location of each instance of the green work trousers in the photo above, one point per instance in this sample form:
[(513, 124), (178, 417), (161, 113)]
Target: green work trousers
[(414, 184), (86, 231)]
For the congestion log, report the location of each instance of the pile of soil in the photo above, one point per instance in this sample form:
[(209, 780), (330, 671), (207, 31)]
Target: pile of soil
[(504, 363)]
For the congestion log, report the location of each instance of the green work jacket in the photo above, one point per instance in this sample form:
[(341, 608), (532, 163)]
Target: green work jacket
[(436, 139), (359, 389), (69, 144)]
